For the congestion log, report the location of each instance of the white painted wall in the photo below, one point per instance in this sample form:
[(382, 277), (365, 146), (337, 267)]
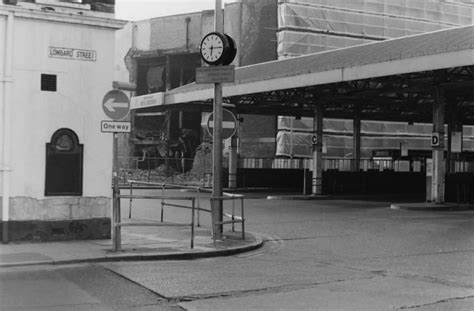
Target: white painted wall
[(3, 21), (123, 44), (77, 104)]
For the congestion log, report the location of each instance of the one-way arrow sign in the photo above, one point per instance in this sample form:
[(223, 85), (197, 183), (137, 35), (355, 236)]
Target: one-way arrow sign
[(116, 105), (111, 104)]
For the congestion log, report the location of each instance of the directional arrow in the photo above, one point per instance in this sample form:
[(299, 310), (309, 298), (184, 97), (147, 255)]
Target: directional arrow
[(111, 104), (116, 105)]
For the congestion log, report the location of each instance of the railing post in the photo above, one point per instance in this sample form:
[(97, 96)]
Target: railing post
[(130, 203), (243, 216), (192, 223), (162, 201), (233, 212), (198, 206)]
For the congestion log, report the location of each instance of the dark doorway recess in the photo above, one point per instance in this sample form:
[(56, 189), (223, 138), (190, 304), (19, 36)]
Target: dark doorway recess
[(64, 164)]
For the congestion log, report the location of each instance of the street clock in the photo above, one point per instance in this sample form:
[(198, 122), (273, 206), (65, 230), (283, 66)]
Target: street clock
[(218, 49)]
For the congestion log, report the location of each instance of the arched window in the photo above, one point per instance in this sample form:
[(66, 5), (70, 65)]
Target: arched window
[(64, 158)]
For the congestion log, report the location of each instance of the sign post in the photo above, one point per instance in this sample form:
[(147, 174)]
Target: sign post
[(116, 106), (217, 207), (116, 217), (218, 50)]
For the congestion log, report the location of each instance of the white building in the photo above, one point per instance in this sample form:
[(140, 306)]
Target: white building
[(56, 64)]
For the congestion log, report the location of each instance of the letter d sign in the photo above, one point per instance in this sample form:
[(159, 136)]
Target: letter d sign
[(435, 139)]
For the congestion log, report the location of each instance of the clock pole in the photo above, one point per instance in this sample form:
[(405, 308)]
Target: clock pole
[(217, 209)]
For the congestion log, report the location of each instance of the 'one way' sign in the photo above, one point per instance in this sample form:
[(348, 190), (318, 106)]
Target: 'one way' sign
[(115, 127)]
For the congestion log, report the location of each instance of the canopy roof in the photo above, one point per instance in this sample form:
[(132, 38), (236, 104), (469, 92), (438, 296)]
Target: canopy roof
[(390, 80)]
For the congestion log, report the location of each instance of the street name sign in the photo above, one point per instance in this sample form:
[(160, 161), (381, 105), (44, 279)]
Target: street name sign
[(116, 105), (115, 127), (74, 54), (229, 124), (215, 74)]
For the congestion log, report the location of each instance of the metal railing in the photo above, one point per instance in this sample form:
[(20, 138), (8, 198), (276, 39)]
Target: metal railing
[(233, 218), (195, 206), (162, 197)]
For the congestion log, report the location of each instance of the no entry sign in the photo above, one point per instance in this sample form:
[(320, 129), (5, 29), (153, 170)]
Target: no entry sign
[(229, 124)]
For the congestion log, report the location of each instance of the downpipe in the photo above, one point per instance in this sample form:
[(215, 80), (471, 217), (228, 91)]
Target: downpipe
[(7, 82)]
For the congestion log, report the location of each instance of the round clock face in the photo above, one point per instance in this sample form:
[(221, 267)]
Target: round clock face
[(213, 47)]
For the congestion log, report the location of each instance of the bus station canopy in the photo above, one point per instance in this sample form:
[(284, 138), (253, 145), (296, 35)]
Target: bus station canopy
[(392, 80)]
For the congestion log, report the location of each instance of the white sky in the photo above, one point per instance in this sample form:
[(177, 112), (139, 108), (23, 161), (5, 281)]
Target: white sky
[(144, 9)]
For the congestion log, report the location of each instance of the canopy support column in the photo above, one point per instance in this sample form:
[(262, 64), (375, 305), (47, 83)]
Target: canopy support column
[(356, 142), (317, 188), (437, 183), (454, 125)]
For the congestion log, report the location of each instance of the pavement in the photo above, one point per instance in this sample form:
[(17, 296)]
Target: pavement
[(138, 243)]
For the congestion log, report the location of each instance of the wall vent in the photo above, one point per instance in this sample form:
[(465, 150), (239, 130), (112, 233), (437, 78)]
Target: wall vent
[(48, 82)]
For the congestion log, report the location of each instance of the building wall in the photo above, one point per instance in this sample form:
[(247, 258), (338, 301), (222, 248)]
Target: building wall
[(76, 105), (171, 32)]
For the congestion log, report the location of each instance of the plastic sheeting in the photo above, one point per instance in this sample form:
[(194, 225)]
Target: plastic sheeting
[(311, 26), (294, 137)]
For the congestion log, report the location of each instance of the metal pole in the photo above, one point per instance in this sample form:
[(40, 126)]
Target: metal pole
[(192, 223), (117, 241), (5, 150), (438, 182), (217, 139), (198, 206), (243, 216), (162, 201), (356, 140), (304, 177), (130, 203), (317, 150)]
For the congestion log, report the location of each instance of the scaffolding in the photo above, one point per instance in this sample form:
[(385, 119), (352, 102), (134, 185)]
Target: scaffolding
[(311, 26)]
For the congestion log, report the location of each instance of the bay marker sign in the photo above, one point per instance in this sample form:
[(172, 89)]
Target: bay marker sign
[(116, 105), (229, 124), (435, 142)]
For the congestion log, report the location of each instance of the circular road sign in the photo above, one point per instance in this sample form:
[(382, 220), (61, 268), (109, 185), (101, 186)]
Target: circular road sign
[(229, 124), (116, 105)]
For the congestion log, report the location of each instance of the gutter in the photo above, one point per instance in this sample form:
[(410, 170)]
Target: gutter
[(7, 83)]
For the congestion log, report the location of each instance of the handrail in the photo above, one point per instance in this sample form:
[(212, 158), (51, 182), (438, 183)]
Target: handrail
[(233, 219), (164, 186), (225, 197), (132, 196)]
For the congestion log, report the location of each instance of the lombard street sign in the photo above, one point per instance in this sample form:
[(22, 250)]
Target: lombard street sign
[(73, 54)]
